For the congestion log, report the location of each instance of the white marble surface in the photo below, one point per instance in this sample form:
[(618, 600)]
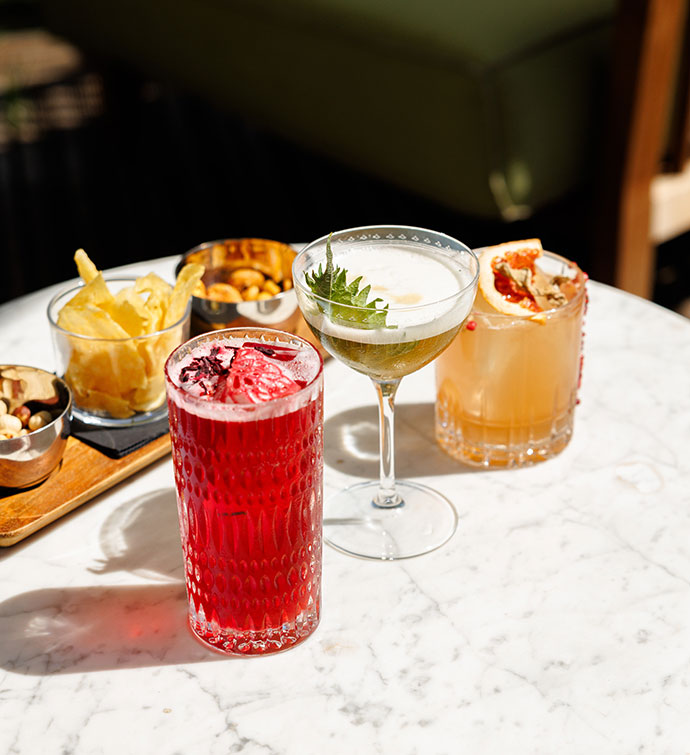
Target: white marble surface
[(557, 619)]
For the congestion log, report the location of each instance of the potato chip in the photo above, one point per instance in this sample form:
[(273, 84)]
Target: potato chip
[(157, 306), (152, 283), (87, 270), (116, 366), (156, 349), (130, 311), (187, 279), (95, 373), (89, 320), (95, 292), (157, 295), (148, 398), (98, 401)]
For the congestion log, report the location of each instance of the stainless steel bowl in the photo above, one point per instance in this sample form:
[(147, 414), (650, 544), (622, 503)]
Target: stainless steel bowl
[(28, 459), (279, 312)]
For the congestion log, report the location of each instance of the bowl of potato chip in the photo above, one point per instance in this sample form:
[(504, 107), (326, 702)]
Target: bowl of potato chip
[(111, 337), (246, 282)]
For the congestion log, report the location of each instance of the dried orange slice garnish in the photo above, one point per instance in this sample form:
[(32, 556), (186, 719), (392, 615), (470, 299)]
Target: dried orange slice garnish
[(505, 275)]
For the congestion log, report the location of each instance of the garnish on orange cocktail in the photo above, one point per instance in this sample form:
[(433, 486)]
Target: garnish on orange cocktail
[(507, 385)]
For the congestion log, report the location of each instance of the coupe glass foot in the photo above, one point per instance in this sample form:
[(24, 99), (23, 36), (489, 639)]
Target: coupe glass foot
[(355, 525)]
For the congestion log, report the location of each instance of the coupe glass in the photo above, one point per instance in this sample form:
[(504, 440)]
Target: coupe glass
[(429, 281)]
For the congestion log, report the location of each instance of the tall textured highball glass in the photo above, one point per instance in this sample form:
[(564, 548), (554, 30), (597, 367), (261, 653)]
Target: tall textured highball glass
[(246, 423), (386, 300)]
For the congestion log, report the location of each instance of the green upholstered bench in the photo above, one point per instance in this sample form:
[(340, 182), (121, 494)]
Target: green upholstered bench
[(490, 107)]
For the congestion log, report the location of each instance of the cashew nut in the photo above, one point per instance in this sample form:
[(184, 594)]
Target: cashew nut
[(223, 292), (251, 293), (246, 278)]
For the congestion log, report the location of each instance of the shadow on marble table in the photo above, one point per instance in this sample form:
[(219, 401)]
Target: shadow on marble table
[(101, 627), (127, 534), (85, 629), (351, 443), (142, 537)]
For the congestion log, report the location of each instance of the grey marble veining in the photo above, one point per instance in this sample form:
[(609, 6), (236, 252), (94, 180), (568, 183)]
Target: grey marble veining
[(557, 619)]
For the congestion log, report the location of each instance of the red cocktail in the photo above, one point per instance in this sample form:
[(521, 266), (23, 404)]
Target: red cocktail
[(246, 418)]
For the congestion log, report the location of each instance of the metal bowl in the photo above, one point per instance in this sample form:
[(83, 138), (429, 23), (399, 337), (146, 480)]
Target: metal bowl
[(28, 459), (279, 312)]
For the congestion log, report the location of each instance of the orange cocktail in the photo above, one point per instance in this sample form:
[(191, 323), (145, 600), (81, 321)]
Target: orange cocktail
[(507, 385)]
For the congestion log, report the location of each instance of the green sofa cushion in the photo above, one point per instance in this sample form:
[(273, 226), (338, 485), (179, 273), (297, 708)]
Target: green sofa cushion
[(488, 106)]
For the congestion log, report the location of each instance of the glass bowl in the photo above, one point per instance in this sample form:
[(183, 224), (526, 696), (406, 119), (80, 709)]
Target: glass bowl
[(115, 382)]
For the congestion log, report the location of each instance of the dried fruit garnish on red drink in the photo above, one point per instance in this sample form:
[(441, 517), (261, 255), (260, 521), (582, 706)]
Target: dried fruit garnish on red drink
[(251, 373), (255, 378)]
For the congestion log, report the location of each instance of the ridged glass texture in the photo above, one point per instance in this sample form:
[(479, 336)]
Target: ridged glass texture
[(250, 508)]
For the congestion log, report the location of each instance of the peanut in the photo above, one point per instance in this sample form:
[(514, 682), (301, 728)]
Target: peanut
[(251, 293), (39, 420), (246, 278), (271, 288)]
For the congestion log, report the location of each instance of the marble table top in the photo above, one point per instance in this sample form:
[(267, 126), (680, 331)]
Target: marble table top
[(556, 620)]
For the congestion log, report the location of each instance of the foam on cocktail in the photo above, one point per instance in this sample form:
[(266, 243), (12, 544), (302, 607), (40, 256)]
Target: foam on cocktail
[(420, 288), (210, 378), (401, 276)]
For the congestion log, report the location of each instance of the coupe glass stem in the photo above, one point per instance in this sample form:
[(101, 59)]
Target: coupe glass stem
[(387, 497)]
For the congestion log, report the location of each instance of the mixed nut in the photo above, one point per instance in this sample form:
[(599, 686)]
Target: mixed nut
[(28, 401), (240, 270), (242, 285)]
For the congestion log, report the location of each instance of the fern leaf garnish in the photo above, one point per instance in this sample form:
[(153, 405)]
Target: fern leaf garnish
[(331, 284)]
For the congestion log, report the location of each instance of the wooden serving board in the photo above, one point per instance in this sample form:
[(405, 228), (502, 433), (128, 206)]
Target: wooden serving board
[(82, 474)]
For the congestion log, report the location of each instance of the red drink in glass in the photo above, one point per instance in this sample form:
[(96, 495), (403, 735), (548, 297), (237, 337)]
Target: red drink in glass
[(246, 418)]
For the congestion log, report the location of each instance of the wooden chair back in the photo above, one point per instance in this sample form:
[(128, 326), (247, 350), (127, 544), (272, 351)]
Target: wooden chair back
[(644, 188)]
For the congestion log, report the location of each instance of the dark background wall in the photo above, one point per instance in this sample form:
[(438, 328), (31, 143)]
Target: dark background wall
[(130, 169)]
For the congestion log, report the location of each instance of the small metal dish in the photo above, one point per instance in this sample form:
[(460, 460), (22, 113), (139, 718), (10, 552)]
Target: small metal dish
[(280, 312), (29, 459)]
